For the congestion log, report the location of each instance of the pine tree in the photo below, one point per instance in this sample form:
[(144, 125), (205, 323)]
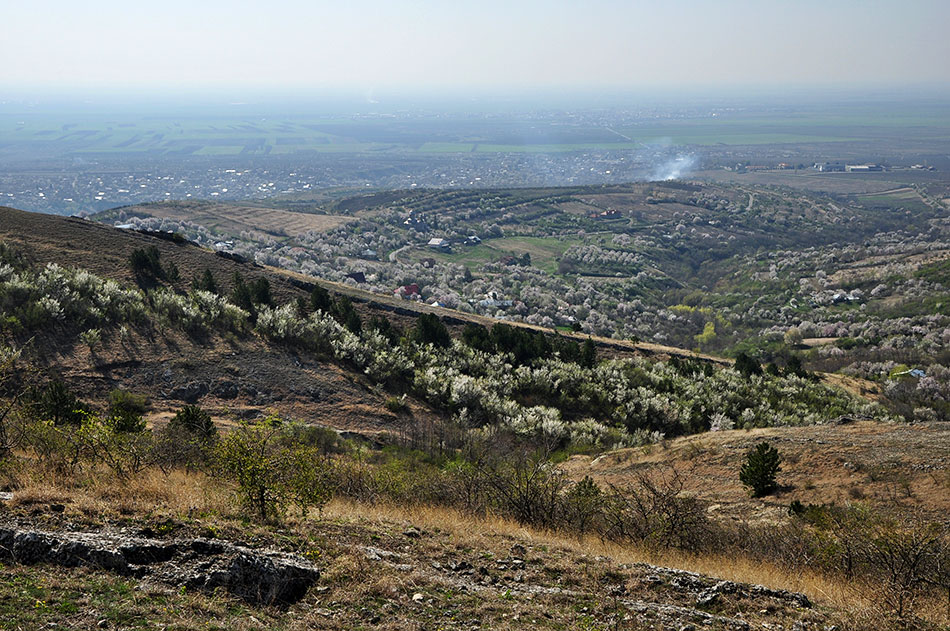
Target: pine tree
[(760, 468)]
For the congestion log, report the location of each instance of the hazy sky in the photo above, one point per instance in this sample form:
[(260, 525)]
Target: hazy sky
[(372, 44)]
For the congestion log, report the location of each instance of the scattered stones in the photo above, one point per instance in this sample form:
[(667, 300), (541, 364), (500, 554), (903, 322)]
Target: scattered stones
[(190, 392), (225, 389), (378, 554)]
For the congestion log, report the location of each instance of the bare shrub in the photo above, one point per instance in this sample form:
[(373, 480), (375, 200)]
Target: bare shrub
[(654, 511)]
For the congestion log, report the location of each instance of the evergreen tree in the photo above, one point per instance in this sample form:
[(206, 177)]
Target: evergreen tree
[(747, 365), (127, 410), (430, 330), (196, 421), (206, 282), (761, 466), (588, 354), (320, 300)]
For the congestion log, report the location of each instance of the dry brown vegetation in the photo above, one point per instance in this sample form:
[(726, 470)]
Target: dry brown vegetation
[(894, 465), (407, 567), (233, 218)]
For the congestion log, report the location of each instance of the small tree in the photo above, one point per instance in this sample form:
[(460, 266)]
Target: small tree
[(91, 338), (320, 300), (247, 456), (57, 403), (195, 421), (206, 282), (146, 262), (588, 354), (430, 330), (260, 291), (760, 468), (126, 411), (273, 468), (747, 365)]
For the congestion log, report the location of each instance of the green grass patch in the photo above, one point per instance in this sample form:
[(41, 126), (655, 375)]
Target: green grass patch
[(545, 251)]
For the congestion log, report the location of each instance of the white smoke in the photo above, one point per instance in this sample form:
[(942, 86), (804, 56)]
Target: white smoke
[(674, 168)]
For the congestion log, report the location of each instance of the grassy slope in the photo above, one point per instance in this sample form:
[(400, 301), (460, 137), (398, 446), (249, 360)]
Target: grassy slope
[(562, 583), (896, 466)]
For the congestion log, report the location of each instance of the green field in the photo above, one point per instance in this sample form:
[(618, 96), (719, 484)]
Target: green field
[(545, 251), (227, 133)]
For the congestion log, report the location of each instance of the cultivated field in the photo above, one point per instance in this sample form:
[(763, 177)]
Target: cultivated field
[(235, 218)]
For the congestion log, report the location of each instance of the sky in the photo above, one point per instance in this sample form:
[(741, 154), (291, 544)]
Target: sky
[(372, 45)]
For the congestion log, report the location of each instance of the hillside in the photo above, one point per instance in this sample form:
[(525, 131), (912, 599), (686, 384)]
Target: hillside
[(897, 466), (843, 280), (443, 419)]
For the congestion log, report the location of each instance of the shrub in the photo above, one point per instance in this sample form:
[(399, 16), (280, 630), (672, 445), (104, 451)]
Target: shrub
[(653, 512), (396, 404), (247, 456), (206, 282), (126, 411), (761, 466), (109, 441), (58, 404), (146, 262), (430, 330), (195, 421), (91, 338)]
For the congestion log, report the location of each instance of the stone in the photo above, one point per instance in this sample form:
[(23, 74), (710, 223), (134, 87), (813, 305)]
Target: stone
[(265, 577), (190, 392)]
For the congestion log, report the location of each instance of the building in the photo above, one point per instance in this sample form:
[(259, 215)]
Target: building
[(863, 168), (437, 243), (830, 167), (407, 291)]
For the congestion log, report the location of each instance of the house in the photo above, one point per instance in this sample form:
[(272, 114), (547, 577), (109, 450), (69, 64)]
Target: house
[(368, 254), (437, 243), (606, 214), (406, 291), (472, 240)]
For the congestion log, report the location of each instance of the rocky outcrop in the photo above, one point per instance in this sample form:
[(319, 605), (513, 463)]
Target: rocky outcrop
[(265, 577)]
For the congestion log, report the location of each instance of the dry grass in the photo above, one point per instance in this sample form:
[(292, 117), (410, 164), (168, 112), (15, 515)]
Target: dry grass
[(477, 531), (98, 494)]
